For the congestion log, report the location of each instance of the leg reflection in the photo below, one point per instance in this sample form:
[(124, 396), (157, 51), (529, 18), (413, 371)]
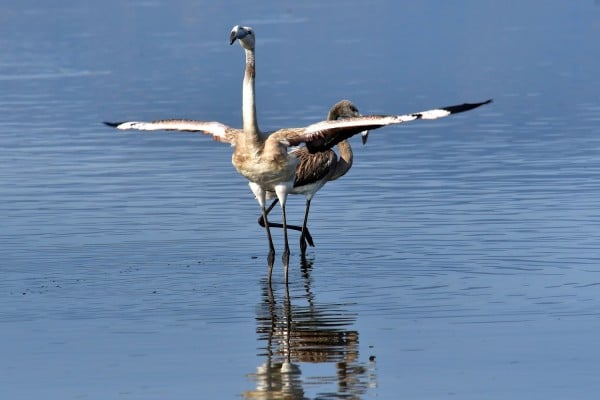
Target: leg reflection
[(294, 328)]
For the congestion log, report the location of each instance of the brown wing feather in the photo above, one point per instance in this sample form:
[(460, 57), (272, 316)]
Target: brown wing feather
[(219, 131), (326, 134), (335, 135), (313, 167)]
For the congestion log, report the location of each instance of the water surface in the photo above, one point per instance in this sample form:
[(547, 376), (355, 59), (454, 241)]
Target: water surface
[(458, 258)]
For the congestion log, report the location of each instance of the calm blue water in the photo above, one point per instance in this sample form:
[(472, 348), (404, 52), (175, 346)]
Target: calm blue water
[(458, 258)]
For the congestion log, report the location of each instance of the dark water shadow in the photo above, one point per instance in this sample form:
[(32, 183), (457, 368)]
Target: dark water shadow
[(296, 332)]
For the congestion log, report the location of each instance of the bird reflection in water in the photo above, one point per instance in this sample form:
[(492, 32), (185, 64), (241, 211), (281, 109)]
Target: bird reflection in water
[(294, 329)]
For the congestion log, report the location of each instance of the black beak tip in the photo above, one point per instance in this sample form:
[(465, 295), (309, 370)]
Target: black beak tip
[(364, 138)]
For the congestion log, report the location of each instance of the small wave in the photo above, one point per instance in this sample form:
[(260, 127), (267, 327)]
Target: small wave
[(53, 75)]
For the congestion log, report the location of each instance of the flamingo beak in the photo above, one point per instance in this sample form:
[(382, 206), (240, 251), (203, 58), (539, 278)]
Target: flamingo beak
[(364, 135), (238, 32), (233, 35)]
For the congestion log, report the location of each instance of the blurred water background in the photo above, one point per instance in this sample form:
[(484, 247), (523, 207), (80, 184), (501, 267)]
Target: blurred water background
[(458, 258)]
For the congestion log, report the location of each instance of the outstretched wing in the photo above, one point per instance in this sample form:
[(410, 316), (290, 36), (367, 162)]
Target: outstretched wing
[(326, 134), (219, 131)]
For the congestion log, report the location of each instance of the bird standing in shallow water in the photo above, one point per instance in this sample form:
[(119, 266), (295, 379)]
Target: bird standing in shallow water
[(316, 169), (264, 158)]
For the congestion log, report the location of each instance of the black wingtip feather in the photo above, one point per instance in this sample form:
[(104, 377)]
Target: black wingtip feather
[(465, 106), (112, 124)]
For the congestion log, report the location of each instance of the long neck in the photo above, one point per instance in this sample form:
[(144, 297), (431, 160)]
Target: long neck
[(248, 98), (345, 162)]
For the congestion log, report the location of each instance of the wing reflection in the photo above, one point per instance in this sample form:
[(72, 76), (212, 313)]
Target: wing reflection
[(297, 333)]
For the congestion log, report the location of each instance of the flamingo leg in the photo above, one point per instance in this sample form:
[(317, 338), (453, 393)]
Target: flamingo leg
[(286, 251), (307, 236), (305, 228), (282, 191), (271, 255)]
